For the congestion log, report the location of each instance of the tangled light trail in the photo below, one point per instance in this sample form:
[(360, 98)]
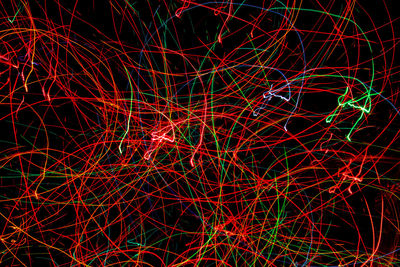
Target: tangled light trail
[(199, 133)]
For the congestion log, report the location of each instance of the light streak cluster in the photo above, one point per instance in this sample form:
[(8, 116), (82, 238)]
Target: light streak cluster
[(199, 133)]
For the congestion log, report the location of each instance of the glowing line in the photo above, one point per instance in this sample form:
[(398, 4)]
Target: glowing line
[(130, 111)]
